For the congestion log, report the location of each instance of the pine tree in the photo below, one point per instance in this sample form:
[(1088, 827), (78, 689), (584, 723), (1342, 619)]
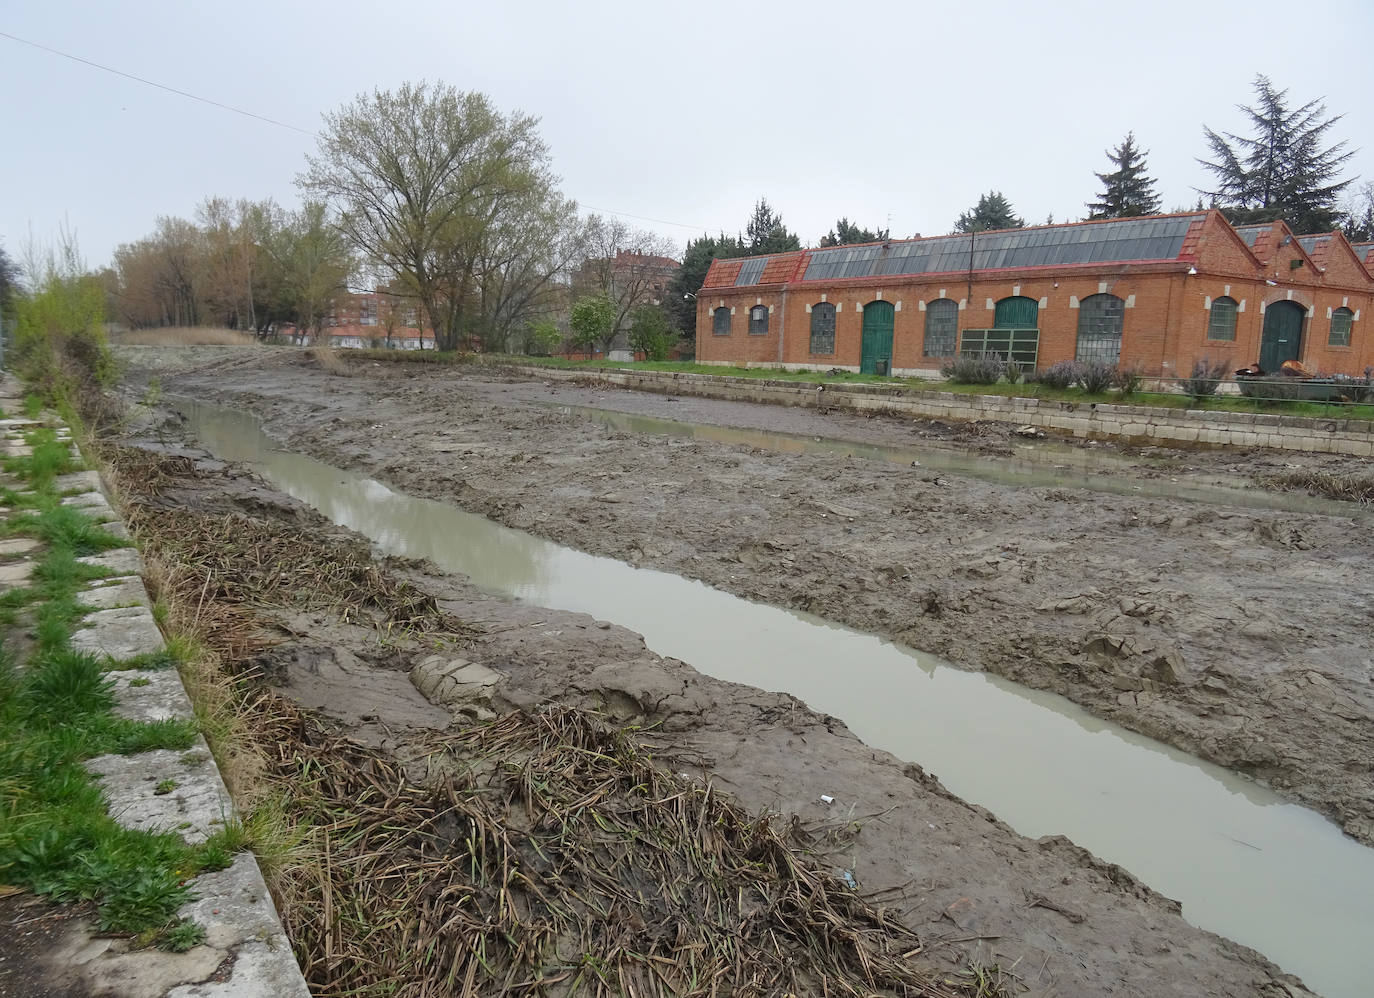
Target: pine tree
[(846, 233), (1281, 170), (1128, 191), (680, 301), (993, 211), (766, 233)]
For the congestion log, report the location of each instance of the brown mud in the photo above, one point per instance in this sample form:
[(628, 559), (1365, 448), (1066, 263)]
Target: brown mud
[(1044, 917), (1235, 634)]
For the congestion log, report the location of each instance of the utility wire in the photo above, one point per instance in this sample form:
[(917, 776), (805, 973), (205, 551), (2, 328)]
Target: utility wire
[(159, 86), (646, 218), (274, 121)]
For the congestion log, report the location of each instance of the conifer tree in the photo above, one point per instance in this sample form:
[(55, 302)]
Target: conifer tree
[(1128, 191), (765, 232), (993, 211), (1283, 169), (847, 233)]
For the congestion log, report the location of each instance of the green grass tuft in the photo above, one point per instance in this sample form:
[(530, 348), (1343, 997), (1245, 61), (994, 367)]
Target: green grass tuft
[(56, 835)]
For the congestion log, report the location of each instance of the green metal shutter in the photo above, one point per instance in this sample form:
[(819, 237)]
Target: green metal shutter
[(877, 337), (1016, 313), (1282, 337)]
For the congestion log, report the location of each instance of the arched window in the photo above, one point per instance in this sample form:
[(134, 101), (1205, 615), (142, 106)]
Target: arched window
[(1222, 324), (1340, 327), (1100, 318), (758, 320), (720, 321), (942, 328), (823, 328)]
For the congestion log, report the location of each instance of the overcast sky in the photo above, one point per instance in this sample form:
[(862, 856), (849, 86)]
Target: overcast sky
[(682, 115)]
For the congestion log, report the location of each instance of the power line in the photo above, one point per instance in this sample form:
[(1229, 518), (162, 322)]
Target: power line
[(274, 121), (159, 86), (646, 218)]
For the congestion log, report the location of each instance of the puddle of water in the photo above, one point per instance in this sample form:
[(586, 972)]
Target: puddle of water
[(1272, 875), (1048, 465)]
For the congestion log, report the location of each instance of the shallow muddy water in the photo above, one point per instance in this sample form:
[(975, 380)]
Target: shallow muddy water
[(1245, 864), (1046, 464)]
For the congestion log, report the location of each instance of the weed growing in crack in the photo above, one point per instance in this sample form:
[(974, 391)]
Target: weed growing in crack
[(183, 936)]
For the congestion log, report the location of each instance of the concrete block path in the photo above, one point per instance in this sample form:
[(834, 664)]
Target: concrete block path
[(246, 953)]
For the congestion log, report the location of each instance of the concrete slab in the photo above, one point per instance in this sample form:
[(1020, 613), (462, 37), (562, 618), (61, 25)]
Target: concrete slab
[(195, 808), (120, 633), (87, 500), (114, 527), (78, 481), (120, 561), (241, 931), (239, 916), (15, 574), (14, 546), (150, 695), (128, 591)]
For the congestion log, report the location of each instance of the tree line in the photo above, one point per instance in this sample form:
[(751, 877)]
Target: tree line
[(1283, 167), (452, 208)]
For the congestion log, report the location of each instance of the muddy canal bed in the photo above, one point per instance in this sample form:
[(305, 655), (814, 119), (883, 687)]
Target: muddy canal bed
[(1236, 634), (1274, 876), (1044, 911)]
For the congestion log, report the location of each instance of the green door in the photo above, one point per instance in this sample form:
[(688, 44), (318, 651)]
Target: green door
[(1016, 313), (1282, 336), (877, 337)]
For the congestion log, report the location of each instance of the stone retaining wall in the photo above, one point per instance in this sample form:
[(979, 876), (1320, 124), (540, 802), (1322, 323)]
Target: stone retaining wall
[(1095, 420), (245, 953)]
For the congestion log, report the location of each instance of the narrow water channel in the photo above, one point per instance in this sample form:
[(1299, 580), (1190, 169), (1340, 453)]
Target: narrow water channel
[(1046, 464), (1273, 875)]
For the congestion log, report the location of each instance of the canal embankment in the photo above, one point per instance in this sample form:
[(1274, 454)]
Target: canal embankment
[(1120, 422)]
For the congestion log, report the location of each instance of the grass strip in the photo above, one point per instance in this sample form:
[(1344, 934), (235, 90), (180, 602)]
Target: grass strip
[(56, 835)]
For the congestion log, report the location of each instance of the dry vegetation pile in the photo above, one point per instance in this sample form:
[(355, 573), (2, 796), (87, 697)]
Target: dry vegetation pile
[(546, 854), (1350, 487), (183, 336), (230, 559), (540, 854)]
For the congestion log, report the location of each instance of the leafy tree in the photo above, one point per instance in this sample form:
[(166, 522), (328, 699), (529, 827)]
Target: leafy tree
[(10, 284), (765, 232), (233, 275), (1283, 169), (993, 211), (311, 263), (680, 302), (846, 233), (542, 338), (60, 324), (650, 333), (1128, 191), (428, 181), (631, 267), (593, 322)]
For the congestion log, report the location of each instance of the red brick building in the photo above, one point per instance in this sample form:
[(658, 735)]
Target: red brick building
[(1156, 293)]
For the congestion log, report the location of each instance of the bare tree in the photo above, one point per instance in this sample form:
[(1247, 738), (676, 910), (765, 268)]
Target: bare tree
[(422, 178), (629, 266)]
